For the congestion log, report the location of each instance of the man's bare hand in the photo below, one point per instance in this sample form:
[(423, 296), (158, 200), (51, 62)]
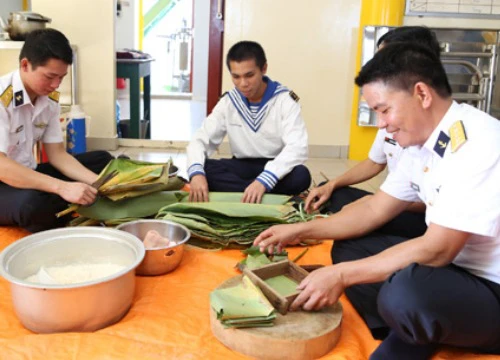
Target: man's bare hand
[(318, 196), (277, 236), (253, 193), (199, 189), (77, 193), (320, 288)]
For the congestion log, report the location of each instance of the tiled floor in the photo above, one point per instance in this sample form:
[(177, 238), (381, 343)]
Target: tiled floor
[(172, 119), (319, 167)]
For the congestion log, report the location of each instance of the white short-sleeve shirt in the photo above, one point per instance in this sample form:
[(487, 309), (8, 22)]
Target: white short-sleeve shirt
[(462, 188), (385, 150), (22, 124)]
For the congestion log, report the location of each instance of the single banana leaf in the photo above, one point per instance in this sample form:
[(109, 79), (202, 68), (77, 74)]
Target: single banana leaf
[(136, 207), (257, 211), (256, 261), (282, 284), (235, 197)]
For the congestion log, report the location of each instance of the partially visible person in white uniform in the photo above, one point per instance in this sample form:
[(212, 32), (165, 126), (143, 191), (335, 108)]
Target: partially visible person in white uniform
[(31, 194), (267, 135), (332, 196), (441, 288)]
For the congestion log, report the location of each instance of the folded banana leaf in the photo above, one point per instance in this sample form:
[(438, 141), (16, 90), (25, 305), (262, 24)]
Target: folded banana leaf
[(243, 305), (134, 178), (124, 178)]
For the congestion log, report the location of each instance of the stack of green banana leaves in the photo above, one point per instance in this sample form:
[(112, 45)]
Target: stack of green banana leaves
[(129, 189), (226, 222), (242, 306)]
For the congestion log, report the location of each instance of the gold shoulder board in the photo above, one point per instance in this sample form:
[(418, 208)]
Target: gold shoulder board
[(457, 135), (54, 95), (7, 96), (294, 96)]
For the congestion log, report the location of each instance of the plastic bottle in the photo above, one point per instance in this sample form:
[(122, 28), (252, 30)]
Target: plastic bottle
[(76, 142)]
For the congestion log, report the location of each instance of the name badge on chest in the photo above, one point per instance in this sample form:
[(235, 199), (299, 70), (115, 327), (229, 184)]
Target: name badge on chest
[(390, 141)]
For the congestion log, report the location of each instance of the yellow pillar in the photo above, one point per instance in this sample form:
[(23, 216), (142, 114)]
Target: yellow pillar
[(141, 25), (373, 12)]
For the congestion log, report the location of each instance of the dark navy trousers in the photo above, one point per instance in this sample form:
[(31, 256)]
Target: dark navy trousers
[(421, 307), (234, 175), (408, 224), (35, 210)]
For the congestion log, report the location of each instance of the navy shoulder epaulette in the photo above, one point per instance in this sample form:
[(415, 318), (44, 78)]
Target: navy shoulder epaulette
[(294, 96)]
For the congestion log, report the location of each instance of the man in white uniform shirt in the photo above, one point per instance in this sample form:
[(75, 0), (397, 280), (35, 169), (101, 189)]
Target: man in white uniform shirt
[(441, 288), (33, 193), (385, 152), (267, 135)]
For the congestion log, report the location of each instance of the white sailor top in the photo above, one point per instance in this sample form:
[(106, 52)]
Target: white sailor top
[(457, 174), (385, 150), (276, 131), (22, 124)]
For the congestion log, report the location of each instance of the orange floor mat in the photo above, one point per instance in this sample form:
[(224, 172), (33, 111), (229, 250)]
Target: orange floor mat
[(169, 318)]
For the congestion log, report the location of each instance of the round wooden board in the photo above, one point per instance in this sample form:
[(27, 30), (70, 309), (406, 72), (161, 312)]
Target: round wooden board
[(298, 335)]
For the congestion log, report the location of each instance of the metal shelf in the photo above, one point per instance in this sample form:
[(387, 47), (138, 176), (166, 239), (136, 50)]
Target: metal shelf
[(13, 45)]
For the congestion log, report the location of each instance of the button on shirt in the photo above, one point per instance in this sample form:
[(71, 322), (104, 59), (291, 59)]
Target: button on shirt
[(461, 188), (22, 124), (385, 150)]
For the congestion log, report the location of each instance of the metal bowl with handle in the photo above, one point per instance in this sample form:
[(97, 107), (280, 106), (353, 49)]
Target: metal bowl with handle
[(161, 260), (23, 22), (84, 306)]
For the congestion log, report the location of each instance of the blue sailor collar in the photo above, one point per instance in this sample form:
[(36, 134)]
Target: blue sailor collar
[(440, 133), (254, 119)]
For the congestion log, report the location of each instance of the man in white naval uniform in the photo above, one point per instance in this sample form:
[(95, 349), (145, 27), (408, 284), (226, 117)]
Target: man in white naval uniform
[(267, 135), (33, 193), (441, 288), (385, 152)]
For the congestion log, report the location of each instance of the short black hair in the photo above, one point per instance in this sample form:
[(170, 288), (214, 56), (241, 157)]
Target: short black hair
[(416, 34), (401, 65), (44, 44), (247, 50)]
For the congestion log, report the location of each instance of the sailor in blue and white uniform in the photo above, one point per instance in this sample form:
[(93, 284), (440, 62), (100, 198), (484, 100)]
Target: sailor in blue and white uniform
[(267, 135)]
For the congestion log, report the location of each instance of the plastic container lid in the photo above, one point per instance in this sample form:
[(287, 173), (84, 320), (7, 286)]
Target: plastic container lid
[(76, 112)]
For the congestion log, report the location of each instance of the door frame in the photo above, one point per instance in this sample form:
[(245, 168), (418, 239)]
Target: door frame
[(215, 53)]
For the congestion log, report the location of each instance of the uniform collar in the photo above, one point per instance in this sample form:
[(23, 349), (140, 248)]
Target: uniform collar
[(443, 126), (24, 99)]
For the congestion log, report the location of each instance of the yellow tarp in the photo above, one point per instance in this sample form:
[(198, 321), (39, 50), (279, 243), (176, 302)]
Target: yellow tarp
[(169, 318)]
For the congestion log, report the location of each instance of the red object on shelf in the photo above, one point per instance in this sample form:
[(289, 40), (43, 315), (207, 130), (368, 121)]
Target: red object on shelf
[(44, 155), (120, 83)]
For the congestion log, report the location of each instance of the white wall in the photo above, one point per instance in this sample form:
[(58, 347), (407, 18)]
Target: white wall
[(311, 49), (89, 24), (200, 49), (7, 6)]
